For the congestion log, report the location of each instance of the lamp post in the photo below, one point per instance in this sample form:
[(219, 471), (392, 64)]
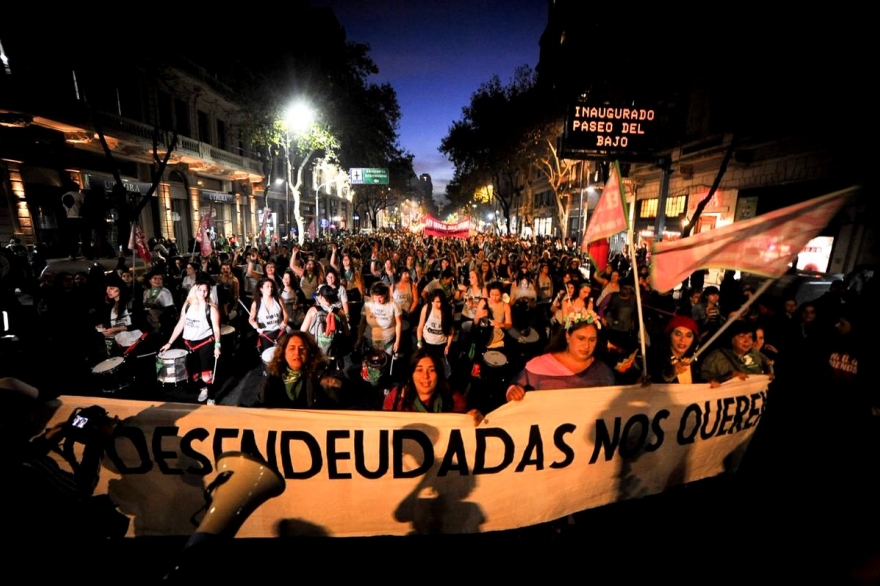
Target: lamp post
[(297, 118)]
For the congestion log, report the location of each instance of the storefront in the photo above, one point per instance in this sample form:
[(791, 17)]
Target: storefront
[(220, 208)]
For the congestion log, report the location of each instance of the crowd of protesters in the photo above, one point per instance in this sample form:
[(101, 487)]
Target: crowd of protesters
[(483, 308)]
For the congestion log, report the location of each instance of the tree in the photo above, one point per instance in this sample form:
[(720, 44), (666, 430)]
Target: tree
[(558, 171), (373, 198), (493, 142), (359, 119)]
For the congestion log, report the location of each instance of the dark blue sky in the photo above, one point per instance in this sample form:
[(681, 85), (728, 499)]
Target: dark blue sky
[(436, 54)]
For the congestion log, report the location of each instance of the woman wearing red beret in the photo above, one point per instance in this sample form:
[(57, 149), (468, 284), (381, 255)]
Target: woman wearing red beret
[(672, 362)]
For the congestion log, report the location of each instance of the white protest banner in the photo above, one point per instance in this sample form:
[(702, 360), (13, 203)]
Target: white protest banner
[(357, 473)]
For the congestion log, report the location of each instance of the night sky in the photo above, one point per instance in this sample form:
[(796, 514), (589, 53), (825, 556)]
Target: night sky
[(436, 54)]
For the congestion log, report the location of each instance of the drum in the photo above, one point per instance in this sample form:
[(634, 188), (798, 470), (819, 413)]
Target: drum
[(109, 376), (374, 366), (267, 355), (228, 338), (494, 369), (497, 340), (171, 365), (494, 359)]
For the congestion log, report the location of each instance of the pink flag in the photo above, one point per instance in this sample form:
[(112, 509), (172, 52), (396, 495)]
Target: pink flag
[(264, 224), (132, 237), (202, 235), (609, 216), (764, 245)]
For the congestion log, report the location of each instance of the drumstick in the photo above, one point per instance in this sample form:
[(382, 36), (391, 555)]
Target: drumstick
[(214, 373), (245, 306)]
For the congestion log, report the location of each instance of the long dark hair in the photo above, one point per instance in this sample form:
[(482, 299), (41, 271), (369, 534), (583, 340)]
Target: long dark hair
[(406, 395), (447, 322)]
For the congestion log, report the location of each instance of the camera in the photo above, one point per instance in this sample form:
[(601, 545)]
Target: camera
[(87, 424)]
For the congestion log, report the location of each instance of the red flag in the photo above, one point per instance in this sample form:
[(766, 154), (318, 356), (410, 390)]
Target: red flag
[(764, 245), (598, 253), (137, 243), (609, 216)]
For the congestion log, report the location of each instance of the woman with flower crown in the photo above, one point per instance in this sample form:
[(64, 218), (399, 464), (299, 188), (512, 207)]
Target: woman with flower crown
[(569, 362)]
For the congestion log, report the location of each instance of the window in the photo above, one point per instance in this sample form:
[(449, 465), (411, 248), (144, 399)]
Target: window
[(204, 129), (182, 112), (165, 112), (221, 134), (674, 206)]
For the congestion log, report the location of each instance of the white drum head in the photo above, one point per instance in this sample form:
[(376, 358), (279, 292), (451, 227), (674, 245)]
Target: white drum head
[(494, 358), (107, 365), (172, 354), (268, 354), (126, 339), (531, 338), (227, 329)]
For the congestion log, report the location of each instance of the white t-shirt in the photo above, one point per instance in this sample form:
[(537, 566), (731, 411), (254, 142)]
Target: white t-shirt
[(381, 320), (433, 332)]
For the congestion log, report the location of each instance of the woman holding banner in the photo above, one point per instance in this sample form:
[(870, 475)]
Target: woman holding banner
[(673, 362), (427, 390), (569, 363)]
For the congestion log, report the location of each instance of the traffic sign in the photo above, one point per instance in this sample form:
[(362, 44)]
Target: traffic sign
[(368, 176)]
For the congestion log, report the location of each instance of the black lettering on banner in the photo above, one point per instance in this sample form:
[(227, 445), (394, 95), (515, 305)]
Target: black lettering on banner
[(604, 440), (333, 456), (753, 412), (314, 451), (360, 461), (454, 449), (136, 436), (629, 447), (658, 430), (186, 448), (535, 445), (683, 437), (705, 432), (480, 456), (726, 416), (742, 408), (220, 434), (397, 438), (249, 444), (559, 442), (163, 431)]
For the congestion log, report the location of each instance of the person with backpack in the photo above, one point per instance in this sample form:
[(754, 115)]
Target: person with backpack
[(327, 323)]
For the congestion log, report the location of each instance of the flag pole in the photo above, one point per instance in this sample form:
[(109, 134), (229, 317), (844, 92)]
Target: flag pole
[(631, 241), (764, 286)]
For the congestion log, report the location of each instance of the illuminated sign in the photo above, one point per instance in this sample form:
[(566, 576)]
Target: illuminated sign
[(599, 129), (367, 176)]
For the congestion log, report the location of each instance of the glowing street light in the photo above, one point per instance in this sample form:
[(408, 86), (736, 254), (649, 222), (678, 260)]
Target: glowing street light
[(298, 118)]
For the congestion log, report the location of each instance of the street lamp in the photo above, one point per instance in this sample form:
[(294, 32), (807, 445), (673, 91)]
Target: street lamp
[(297, 118)]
